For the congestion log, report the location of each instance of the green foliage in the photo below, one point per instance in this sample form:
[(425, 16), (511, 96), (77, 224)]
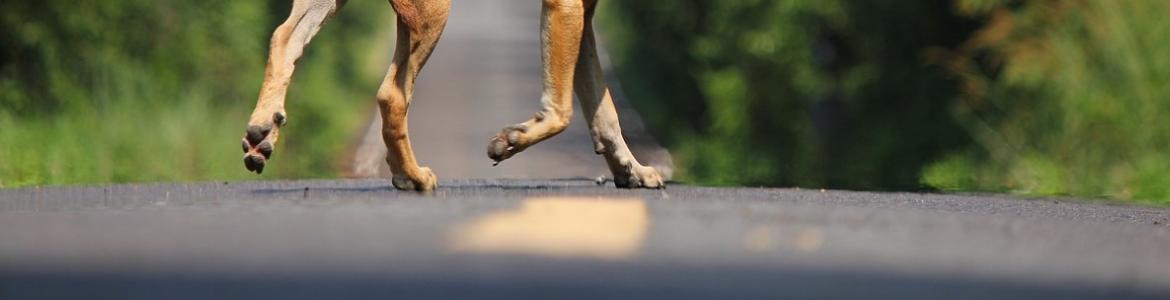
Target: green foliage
[(1050, 97), (813, 93), (137, 90), (1076, 106)]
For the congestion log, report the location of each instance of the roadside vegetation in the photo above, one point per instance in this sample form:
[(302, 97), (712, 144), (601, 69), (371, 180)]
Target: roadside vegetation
[(160, 90), (1047, 97)]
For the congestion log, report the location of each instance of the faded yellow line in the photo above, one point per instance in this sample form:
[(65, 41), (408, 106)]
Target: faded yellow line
[(601, 228)]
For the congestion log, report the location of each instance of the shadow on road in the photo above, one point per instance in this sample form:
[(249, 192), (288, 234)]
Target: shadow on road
[(543, 279)]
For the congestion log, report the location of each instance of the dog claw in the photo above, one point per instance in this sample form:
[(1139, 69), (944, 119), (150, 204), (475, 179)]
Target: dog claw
[(280, 119)]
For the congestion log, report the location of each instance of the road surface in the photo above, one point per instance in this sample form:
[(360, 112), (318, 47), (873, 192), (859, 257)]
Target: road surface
[(534, 237), (524, 238)]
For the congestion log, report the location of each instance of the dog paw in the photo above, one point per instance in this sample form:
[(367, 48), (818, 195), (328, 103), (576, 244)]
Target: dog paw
[(259, 140), (427, 181), (639, 177), (507, 143)]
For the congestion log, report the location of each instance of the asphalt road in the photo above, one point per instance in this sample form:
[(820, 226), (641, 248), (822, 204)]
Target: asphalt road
[(567, 238), (532, 238)]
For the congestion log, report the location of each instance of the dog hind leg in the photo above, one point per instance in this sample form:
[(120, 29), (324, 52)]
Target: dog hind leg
[(420, 25), (600, 113)]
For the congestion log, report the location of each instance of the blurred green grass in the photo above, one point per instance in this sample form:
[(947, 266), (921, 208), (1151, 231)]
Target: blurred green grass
[(1076, 107), (1038, 98), (146, 90)]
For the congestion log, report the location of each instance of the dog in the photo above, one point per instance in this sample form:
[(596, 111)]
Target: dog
[(570, 64)]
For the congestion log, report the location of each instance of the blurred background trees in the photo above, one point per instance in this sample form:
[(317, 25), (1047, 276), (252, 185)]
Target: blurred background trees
[(1045, 97), (150, 90), (1042, 97)]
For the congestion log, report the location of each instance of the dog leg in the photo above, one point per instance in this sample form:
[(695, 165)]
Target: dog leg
[(599, 110), (420, 25), (561, 25), (287, 45)]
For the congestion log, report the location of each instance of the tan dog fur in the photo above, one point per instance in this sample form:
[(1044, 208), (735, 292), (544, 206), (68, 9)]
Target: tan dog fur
[(569, 56)]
